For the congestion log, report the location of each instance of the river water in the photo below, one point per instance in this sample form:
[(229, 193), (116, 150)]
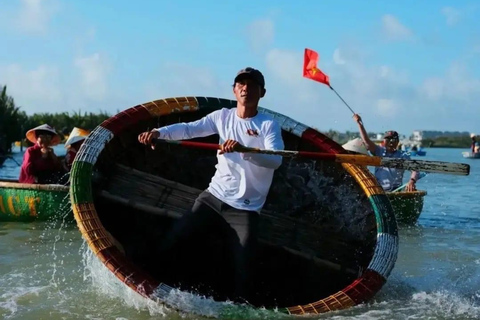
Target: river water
[(47, 271)]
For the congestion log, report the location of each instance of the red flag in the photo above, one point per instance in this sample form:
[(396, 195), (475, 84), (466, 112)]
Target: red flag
[(310, 69)]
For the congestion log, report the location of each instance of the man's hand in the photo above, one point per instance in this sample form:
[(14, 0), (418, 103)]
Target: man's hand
[(357, 119), (146, 137), (411, 186), (230, 146)]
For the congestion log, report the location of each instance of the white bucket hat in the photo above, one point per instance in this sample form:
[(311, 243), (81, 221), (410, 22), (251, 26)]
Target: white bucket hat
[(44, 127), (356, 145), (76, 135)]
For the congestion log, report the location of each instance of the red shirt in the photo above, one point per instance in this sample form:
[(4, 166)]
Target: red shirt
[(34, 165)]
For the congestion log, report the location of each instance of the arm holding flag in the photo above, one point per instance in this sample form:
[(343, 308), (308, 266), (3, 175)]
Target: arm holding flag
[(364, 135)]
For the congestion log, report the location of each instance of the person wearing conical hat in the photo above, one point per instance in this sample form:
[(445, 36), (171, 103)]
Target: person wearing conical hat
[(40, 164), (73, 143), (356, 145)]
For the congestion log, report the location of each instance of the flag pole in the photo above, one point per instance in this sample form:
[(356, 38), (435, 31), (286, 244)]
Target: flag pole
[(311, 71), (341, 98)]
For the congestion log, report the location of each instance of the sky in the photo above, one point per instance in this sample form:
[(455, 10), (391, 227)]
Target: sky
[(402, 65)]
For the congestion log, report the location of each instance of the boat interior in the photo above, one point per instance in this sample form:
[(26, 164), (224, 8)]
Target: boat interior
[(318, 229)]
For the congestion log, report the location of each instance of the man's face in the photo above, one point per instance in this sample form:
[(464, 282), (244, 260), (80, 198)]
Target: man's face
[(390, 143), (248, 92)]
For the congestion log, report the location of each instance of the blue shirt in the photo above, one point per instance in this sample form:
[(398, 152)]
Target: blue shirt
[(389, 178)]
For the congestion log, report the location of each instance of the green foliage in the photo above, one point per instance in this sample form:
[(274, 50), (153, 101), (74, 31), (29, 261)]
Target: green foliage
[(14, 123), (449, 142), (64, 122), (11, 119)]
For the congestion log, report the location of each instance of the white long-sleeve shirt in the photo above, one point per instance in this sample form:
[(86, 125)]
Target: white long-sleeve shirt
[(241, 180)]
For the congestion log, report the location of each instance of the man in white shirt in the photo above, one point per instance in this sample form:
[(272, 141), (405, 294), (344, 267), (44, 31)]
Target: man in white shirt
[(238, 190), (389, 178)]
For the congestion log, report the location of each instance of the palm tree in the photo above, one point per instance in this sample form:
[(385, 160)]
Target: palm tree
[(11, 119), (15, 123)]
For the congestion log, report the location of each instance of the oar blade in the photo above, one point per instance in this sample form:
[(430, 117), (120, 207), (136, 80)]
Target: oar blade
[(461, 169)]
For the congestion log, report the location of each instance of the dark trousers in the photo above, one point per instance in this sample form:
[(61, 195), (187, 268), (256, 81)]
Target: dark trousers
[(238, 227)]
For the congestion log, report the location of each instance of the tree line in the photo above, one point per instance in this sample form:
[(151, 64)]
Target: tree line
[(442, 141), (14, 122)]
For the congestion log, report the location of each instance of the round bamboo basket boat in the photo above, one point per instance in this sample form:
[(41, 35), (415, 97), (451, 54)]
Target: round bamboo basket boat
[(407, 205), (328, 237), (33, 202)]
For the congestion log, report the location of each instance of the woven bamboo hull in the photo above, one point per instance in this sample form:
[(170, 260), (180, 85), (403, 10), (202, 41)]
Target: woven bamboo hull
[(328, 237), (407, 205), (32, 202)]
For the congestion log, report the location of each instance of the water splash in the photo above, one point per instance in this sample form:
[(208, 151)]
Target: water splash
[(107, 284)]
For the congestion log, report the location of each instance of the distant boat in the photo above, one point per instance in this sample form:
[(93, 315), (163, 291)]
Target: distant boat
[(407, 206), (421, 152), (414, 150), (471, 155)]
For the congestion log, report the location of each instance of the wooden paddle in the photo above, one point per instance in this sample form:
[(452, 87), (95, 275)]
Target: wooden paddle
[(413, 165)]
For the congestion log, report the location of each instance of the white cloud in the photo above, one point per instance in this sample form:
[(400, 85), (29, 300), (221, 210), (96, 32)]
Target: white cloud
[(38, 89), (456, 85), (337, 58), (387, 107), (34, 16), (93, 75), (385, 96), (260, 34), (452, 15), (393, 29), (179, 80), (285, 68), (432, 88), (49, 88)]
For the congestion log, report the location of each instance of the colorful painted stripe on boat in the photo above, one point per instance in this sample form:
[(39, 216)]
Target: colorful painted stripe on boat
[(101, 243), (33, 202)]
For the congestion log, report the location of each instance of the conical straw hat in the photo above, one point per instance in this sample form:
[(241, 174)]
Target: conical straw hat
[(44, 127), (356, 145), (76, 135)]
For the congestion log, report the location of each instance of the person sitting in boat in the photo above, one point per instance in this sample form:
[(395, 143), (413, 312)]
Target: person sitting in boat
[(239, 187), (389, 178), (474, 143), (40, 164), (73, 143)]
